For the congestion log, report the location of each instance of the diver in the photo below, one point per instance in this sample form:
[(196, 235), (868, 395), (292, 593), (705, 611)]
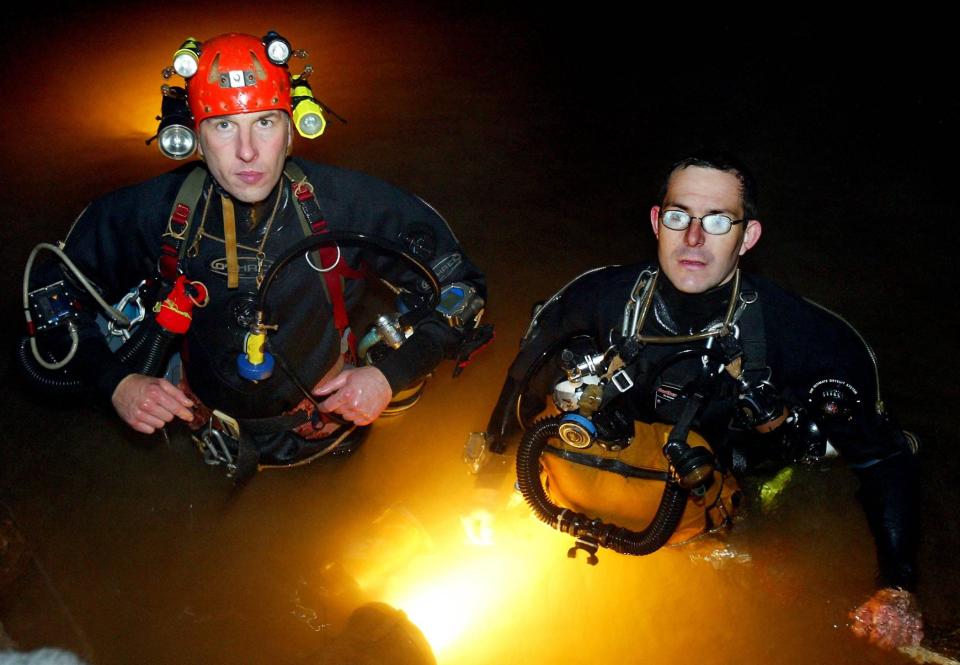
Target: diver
[(251, 263), (690, 347)]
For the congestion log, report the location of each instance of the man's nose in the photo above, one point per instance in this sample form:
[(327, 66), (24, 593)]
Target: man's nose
[(246, 146), (694, 235)]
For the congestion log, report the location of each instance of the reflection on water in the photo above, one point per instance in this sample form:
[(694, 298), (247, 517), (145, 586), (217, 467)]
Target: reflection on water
[(158, 561)]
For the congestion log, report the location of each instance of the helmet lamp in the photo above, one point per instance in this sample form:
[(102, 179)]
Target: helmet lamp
[(175, 136), (278, 48), (307, 112), (186, 58)]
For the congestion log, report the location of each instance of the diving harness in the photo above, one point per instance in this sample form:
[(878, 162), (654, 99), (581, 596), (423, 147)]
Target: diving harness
[(147, 350), (591, 404)]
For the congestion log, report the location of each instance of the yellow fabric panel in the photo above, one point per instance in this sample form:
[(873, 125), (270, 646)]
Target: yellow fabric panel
[(632, 502)]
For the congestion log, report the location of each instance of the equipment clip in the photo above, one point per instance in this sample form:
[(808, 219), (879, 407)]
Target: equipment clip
[(588, 546)]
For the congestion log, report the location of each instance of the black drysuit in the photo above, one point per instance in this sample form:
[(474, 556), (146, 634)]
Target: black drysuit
[(810, 356), (117, 240)]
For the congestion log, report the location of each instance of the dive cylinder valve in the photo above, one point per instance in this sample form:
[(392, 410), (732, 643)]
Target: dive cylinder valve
[(581, 396), (576, 431), (256, 363)]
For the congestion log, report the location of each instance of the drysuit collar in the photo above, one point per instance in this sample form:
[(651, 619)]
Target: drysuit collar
[(250, 215), (688, 313)]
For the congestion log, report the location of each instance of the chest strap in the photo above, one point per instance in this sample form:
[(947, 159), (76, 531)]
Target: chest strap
[(328, 260)]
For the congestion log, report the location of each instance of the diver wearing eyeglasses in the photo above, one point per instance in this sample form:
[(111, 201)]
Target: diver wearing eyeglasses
[(788, 381)]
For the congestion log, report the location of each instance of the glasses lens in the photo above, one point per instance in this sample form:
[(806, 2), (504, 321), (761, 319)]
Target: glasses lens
[(675, 219), (716, 224)]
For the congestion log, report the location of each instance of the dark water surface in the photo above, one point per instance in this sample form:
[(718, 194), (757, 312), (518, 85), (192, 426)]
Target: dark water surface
[(539, 138)]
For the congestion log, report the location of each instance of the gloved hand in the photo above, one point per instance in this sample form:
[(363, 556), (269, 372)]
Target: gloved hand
[(359, 395), (890, 618)]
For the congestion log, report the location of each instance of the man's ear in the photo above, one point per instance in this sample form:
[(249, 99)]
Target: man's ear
[(289, 136), (655, 220), (751, 236)]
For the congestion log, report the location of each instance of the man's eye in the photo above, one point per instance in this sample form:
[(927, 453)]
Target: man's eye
[(265, 122), (223, 125)]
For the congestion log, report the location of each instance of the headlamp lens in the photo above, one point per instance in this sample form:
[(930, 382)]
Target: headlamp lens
[(177, 141), (308, 117), (278, 51), (185, 63)]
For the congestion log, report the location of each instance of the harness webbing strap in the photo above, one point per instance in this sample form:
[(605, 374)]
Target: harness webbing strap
[(333, 269), (178, 224), (753, 340)]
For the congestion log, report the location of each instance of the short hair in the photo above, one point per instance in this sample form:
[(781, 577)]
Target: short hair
[(720, 161)]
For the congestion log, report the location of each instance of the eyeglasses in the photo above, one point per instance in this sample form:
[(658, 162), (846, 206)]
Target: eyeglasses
[(714, 224)]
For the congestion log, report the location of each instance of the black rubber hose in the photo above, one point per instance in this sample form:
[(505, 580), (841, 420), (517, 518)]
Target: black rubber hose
[(146, 352), (152, 361), (59, 382), (619, 539), (346, 238), (138, 339)]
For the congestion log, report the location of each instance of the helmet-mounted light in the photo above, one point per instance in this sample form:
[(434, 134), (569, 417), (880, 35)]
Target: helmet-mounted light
[(186, 58), (230, 74), (278, 49), (175, 136), (307, 112)]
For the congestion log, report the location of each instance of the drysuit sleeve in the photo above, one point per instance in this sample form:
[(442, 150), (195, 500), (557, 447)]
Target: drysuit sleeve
[(588, 306), (433, 339), (839, 387), (362, 204), (115, 251)]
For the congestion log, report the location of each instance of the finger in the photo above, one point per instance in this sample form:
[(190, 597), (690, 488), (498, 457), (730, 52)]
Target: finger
[(168, 405), (332, 403), (336, 383), (174, 392), (143, 428), (150, 420)]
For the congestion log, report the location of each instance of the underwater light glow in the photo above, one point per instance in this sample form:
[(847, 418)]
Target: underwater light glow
[(466, 583)]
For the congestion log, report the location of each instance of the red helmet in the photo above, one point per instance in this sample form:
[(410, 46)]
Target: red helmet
[(234, 75)]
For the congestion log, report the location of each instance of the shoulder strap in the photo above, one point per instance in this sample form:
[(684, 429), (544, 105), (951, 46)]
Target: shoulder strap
[(752, 336), (178, 225), (332, 269)]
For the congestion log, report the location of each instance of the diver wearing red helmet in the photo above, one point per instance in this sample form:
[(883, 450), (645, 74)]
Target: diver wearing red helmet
[(283, 376)]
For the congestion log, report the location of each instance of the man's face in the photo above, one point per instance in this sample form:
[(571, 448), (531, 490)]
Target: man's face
[(245, 152), (695, 261)]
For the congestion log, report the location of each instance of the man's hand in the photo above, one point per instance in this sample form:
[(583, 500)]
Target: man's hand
[(359, 395), (147, 403), (890, 618)]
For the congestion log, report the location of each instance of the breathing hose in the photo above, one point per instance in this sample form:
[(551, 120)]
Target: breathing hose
[(619, 539)]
